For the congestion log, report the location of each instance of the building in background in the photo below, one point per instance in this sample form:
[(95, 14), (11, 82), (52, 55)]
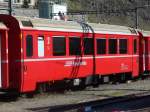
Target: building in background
[(53, 10), (20, 2), (32, 2)]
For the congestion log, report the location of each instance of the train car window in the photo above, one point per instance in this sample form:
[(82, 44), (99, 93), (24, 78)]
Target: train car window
[(59, 46), (101, 46), (112, 46), (41, 46), (123, 46), (29, 46), (74, 46), (88, 46), (135, 46)]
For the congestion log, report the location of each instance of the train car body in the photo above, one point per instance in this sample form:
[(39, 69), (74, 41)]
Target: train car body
[(146, 51), (40, 50)]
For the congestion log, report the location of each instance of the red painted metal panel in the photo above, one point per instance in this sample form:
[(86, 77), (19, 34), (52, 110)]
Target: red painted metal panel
[(25, 72), (52, 68), (147, 53), (14, 51), (4, 59)]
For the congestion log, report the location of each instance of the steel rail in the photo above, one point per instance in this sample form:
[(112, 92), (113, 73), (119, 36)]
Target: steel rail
[(84, 106)]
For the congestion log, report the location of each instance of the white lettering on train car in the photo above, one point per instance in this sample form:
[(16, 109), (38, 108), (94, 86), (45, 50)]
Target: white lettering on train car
[(124, 66), (73, 63)]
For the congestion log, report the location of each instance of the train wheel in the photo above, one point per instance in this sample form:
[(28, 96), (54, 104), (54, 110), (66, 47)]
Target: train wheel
[(82, 84), (28, 95), (41, 88), (128, 78), (96, 81)]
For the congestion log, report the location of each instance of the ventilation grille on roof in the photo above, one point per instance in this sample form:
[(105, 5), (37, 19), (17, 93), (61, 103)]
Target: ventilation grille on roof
[(27, 23)]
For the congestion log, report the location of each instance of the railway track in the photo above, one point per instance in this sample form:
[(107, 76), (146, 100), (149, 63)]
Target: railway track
[(73, 101), (130, 103), (141, 110)]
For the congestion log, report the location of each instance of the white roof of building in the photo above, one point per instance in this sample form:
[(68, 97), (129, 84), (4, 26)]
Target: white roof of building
[(57, 25)]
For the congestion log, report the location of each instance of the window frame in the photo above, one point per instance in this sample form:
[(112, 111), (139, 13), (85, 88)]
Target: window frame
[(84, 46), (69, 45), (135, 51), (127, 48), (65, 54), (40, 36), (116, 46), (29, 56), (105, 46)]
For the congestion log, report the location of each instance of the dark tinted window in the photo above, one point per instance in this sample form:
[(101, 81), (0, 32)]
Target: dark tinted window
[(88, 46), (135, 46), (101, 46), (123, 46), (112, 46), (74, 46), (147, 47), (29, 46), (59, 46)]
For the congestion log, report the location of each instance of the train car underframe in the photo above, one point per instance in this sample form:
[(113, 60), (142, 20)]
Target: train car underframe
[(82, 83)]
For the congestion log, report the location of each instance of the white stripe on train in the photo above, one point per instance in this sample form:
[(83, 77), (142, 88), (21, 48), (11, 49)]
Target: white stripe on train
[(73, 58)]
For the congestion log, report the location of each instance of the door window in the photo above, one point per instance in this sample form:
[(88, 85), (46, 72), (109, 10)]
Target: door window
[(41, 46), (29, 46), (135, 46)]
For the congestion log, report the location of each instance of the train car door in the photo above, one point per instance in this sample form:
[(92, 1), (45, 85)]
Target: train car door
[(144, 54), (27, 77), (146, 57), (135, 57)]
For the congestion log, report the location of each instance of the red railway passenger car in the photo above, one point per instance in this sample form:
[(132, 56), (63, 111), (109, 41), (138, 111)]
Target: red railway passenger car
[(41, 51), (146, 51)]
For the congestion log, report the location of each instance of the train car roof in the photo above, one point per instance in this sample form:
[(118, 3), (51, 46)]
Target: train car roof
[(72, 26), (146, 33)]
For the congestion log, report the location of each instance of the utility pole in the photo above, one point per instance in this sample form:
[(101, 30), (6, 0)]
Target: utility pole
[(10, 7), (137, 19)]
